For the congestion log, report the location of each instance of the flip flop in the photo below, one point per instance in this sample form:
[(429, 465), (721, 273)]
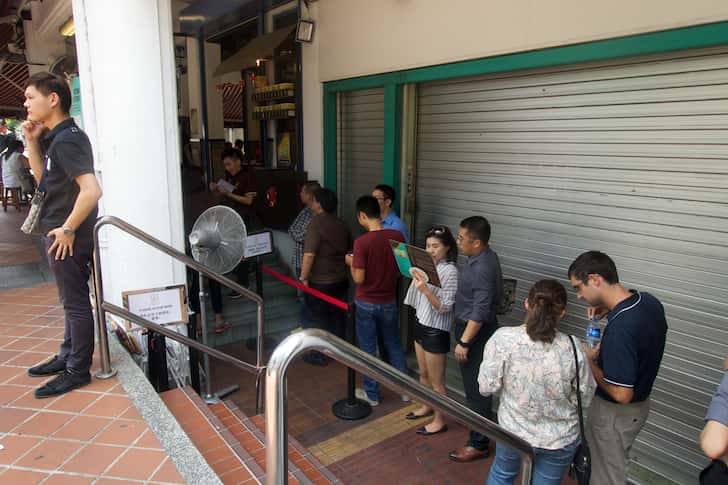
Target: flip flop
[(223, 327), (412, 416)]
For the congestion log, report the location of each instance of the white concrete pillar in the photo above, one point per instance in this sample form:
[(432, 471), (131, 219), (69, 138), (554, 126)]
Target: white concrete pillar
[(313, 117), (127, 71)]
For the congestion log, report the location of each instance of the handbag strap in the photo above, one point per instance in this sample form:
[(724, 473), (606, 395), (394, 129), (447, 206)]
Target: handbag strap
[(578, 390), (46, 156)]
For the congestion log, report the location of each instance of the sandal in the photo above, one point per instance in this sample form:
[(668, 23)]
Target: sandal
[(223, 327)]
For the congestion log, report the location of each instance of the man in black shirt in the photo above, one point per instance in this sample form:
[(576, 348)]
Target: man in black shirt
[(62, 162), (5, 135), (624, 364)]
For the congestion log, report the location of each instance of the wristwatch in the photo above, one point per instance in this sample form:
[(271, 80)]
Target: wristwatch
[(67, 230), (464, 344)]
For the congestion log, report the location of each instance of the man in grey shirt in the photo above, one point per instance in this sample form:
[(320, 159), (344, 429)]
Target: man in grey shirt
[(480, 288)]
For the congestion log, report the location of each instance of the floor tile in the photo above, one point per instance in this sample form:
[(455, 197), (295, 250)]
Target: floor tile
[(73, 402), (43, 424), (168, 473), (121, 432), (109, 406), (48, 455), (82, 428), (29, 401), (14, 447), (93, 459), (137, 464), (21, 477), (10, 393), (62, 479), (148, 440), (11, 417)]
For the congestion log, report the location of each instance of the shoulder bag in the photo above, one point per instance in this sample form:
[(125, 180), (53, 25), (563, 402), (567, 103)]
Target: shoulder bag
[(580, 468)]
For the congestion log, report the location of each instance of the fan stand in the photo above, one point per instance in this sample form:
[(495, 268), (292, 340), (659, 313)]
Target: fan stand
[(210, 397)]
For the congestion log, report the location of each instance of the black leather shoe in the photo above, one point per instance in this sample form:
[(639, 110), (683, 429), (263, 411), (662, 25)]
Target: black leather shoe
[(422, 431), (68, 381), (412, 416), (49, 368)]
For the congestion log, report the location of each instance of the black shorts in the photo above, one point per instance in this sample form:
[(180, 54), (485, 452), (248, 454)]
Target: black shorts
[(433, 340)]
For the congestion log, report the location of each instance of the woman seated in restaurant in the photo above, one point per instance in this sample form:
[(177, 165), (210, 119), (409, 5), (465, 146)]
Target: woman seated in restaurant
[(532, 367)]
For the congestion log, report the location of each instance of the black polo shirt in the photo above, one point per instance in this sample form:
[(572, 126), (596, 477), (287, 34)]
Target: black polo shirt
[(67, 155), (632, 345)]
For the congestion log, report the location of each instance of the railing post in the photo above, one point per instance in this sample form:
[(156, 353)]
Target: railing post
[(106, 371)]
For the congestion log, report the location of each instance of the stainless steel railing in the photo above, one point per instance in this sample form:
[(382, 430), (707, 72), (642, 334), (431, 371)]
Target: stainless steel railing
[(276, 399), (102, 306)]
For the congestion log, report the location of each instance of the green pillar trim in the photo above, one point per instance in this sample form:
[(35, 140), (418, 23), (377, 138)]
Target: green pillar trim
[(392, 136), (330, 136)]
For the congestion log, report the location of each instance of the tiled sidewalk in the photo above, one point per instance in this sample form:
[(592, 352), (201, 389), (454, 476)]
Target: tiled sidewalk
[(90, 436)]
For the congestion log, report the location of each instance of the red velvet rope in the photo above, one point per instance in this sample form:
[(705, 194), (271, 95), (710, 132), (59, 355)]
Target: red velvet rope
[(323, 296)]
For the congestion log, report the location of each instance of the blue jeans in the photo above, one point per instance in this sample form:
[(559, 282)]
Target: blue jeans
[(382, 319), (549, 467)]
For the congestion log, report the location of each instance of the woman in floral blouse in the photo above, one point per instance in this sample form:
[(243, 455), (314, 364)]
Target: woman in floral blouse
[(532, 368)]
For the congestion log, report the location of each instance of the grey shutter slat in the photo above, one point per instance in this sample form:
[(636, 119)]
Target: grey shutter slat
[(629, 157), (361, 147)]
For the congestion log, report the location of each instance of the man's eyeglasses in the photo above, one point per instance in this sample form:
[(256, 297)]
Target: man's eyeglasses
[(460, 238)]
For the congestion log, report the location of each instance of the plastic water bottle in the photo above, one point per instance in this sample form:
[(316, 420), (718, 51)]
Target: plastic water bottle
[(593, 333)]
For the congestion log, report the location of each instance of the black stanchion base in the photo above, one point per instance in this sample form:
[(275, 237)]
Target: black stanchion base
[(269, 343), (351, 410)]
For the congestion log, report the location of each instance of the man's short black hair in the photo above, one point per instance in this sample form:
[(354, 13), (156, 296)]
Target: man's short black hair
[(238, 143), (388, 191), (369, 206), (231, 153), (477, 227), (48, 83), (311, 186), (594, 262), (327, 199)]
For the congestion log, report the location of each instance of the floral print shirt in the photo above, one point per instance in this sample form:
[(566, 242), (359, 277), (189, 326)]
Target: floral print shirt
[(537, 386)]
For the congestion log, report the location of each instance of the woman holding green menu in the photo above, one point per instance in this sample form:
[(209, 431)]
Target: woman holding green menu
[(434, 308)]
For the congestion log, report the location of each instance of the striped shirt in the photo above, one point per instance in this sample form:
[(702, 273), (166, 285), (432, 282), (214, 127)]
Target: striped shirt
[(440, 319)]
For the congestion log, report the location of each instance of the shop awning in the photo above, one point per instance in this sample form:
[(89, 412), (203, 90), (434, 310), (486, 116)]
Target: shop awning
[(260, 47)]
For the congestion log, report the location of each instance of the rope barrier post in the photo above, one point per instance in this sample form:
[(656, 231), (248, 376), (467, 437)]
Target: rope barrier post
[(193, 354), (351, 408), (269, 342)]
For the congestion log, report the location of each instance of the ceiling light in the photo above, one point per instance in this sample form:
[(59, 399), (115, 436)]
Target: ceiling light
[(68, 29)]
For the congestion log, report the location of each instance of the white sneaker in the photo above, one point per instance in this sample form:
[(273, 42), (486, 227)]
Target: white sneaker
[(361, 394), (406, 398)]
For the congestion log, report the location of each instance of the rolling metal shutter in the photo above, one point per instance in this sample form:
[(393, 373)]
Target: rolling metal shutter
[(628, 157), (361, 148)]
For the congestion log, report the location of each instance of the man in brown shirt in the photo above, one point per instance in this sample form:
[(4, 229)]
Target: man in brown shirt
[(323, 268)]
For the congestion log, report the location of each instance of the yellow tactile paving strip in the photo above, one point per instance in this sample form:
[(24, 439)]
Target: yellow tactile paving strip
[(369, 434)]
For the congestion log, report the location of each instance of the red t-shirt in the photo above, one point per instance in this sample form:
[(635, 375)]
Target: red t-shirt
[(373, 253)]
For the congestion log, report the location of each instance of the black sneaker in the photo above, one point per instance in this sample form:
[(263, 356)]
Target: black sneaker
[(68, 381), (49, 368)]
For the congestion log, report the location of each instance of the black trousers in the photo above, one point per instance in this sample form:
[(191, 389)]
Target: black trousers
[(469, 370), (72, 275), (324, 315)]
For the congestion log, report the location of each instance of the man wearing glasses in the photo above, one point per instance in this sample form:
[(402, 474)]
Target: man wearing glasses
[(480, 288), (386, 196)]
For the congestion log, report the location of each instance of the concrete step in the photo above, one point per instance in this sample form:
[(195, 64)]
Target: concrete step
[(303, 467)]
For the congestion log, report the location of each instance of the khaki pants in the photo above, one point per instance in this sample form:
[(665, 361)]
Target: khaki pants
[(610, 430)]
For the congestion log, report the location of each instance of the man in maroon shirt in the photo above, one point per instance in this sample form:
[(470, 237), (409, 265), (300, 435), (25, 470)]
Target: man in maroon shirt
[(375, 273)]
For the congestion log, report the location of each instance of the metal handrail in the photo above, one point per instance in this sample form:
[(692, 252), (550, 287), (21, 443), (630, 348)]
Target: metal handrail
[(178, 337), (276, 399), (102, 306)]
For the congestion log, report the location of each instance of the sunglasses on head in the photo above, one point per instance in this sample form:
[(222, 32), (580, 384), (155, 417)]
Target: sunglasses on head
[(436, 231)]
